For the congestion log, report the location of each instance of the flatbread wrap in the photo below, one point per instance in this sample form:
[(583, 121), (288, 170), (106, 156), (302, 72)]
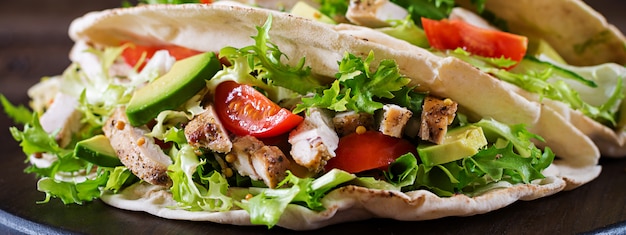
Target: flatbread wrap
[(186, 162), (563, 54), (590, 46)]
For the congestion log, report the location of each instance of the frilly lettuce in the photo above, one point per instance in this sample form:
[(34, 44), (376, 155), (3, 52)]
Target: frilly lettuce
[(357, 87), (19, 114), (264, 60), (267, 205), (191, 195)]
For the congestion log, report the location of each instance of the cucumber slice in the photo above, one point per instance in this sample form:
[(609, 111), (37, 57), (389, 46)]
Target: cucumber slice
[(530, 63)]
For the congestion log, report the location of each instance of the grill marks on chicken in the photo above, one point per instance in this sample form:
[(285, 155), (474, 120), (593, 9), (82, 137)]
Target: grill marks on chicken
[(136, 151), (346, 122), (437, 114), (393, 120), (314, 141), (206, 131), (259, 161)]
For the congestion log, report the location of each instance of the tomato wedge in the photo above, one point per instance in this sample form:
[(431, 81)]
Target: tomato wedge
[(134, 53), (452, 34), (367, 151), (245, 111)]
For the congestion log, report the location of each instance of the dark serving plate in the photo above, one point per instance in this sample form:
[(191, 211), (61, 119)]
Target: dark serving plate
[(34, 43)]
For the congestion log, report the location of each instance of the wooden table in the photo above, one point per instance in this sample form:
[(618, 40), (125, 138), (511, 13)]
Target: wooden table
[(34, 43)]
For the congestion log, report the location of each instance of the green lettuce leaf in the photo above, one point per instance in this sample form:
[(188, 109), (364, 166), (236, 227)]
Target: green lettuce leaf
[(268, 205), (403, 171), (191, 195), (432, 9), (357, 88), (34, 139), (119, 178), (518, 135), (334, 8), (410, 99), (73, 192), (19, 114), (264, 59)]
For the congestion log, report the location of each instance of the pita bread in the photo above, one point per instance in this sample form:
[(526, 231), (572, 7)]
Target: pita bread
[(582, 37), (211, 27)]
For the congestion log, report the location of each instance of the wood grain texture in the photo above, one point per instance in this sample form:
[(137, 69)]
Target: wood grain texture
[(34, 43)]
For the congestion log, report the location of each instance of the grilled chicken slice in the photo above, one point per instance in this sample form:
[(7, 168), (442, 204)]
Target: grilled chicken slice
[(136, 151), (346, 122), (62, 116), (436, 116), (314, 141), (206, 131), (258, 161), (374, 13), (393, 120)]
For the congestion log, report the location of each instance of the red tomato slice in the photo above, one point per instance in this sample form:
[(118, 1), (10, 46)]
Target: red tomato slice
[(245, 111), (453, 34), (367, 151), (133, 53), (206, 1)]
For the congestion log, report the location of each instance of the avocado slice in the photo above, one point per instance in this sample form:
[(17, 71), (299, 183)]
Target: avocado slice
[(186, 78), (458, 143), (304, 10), (97, 150)]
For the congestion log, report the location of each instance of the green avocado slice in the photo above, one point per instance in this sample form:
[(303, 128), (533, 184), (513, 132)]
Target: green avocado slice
[(458, 143), (97, 150), (185, 79)]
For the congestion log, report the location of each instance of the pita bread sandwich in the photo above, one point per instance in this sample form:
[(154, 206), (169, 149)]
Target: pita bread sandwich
[(586, 45), (561, 53), (247, 116)]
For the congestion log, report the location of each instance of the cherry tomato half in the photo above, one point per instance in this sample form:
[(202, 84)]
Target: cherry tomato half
[(367, 151), (245, 111), (133, 53), (452, 34)]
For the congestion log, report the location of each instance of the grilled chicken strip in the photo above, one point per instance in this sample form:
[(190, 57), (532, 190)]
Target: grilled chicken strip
[(374, 13), (258, 161), (314, 141), (346, 122), (206, 131), (436, 116), (62, 116), (136, 151), (393, 120)]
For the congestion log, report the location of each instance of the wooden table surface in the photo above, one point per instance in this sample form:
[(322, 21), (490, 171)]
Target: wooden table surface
[(34, 43)]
